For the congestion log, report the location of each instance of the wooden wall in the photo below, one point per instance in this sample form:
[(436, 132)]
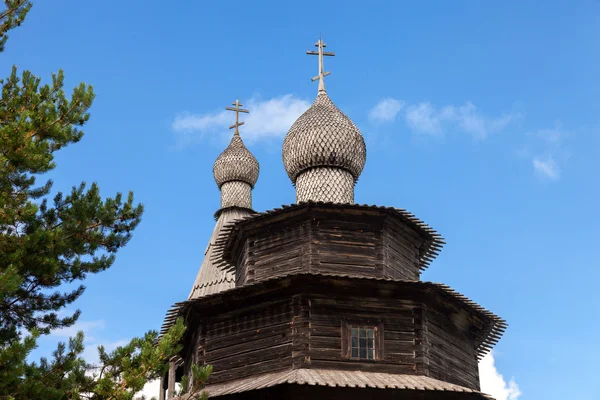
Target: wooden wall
[(399, 332), (274, 252), (400, 251), (347, 244), (248, 341), (299, 325), (359, 243), (451, 351)]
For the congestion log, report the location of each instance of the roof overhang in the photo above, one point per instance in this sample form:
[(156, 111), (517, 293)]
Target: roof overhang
[(337, 378)]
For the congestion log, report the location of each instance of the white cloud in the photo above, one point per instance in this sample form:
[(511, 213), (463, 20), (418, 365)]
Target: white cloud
[(267, 119), (90, 353), (550, 136), (86, 326), (92, 331), (546, 167), (493, 383), (548, 152), (386, 110), (425, 118), (151, 389), (186, 122)]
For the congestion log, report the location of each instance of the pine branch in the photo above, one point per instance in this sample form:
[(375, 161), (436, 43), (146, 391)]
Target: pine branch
[(13, 15)]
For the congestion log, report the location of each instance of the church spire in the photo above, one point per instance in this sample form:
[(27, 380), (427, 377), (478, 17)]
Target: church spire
[(322, 74), (236, 172)]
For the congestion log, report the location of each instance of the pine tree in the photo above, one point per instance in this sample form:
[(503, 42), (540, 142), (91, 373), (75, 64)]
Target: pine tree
[(46, 244)]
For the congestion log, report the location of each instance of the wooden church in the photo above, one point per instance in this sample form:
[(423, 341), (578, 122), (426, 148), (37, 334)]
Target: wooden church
[(322, 299)]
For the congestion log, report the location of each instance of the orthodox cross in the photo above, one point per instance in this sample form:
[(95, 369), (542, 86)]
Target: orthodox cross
[(322, 74), (237, 110)]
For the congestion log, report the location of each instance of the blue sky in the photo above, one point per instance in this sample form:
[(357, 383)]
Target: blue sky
[(480, 117)]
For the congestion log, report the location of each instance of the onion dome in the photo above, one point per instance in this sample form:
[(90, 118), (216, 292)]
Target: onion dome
[(236, 173), (236, 163), (324, 152), (236, 169), (323, 137)]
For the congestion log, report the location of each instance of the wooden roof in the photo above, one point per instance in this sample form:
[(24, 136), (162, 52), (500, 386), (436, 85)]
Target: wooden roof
[(431, 248), (211, 279), (336, 378)]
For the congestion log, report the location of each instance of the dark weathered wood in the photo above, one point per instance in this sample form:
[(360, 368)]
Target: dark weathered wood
[(363, 243), (394, 320), (247, 340), (400, 251), (298, 321), (451, 354), (300, 330), (421, 340)]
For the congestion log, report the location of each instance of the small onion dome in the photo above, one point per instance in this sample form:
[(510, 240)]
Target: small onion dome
[(236, 163), (323, 137)]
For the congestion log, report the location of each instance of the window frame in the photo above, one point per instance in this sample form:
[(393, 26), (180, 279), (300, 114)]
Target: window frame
[(348, 324)]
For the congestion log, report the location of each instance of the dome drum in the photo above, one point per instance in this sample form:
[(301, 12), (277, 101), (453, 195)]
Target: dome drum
[(236, 194), (329, 185)]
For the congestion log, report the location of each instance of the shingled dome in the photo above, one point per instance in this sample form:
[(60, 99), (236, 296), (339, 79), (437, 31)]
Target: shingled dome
[(236, 163), (323, 137)]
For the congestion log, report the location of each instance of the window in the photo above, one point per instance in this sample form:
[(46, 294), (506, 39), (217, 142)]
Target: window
[(362, 340), (362, 343)]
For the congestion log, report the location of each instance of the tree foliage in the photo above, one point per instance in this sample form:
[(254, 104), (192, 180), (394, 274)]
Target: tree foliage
[(42, 245), (50, 242), (118, 375), (191, 388), (13, 14)]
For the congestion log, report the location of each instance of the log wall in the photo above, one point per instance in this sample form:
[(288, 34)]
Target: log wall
[(451, 351), (248, 341), (274, 252), (395, 317), (358, 243), (400, 251), (301, 325), (347, 245)]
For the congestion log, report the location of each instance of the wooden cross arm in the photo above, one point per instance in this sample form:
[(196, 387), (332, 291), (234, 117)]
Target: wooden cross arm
[(318, 76), (316, 53), (237, 109), (236, 124)]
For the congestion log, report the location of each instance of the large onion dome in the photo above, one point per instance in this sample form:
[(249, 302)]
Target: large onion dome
[(323, 137), (236, 163), (324, 153)]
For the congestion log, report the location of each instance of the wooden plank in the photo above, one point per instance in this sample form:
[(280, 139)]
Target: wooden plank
[(364, 366)]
